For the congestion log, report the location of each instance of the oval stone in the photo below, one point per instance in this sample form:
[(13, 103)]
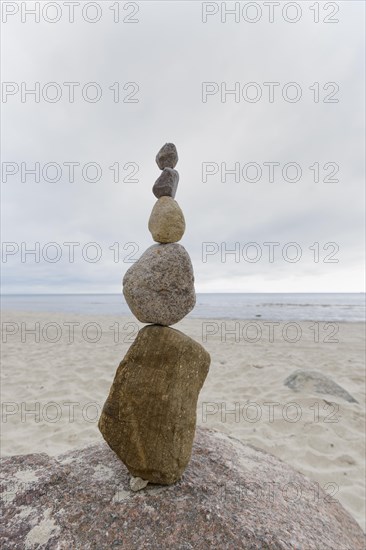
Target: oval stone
[(149, 418), (166, 223), (159, 287)]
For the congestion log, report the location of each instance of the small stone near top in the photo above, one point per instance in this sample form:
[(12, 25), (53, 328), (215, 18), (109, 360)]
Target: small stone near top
[(166, 184), (167, 157)]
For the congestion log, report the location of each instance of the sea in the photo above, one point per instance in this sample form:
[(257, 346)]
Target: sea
[(347, 307)]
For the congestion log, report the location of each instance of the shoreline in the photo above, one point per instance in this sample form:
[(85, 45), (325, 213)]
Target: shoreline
[(273, 307), (188, 317)]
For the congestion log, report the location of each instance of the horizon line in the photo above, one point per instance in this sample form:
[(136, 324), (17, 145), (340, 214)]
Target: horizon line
[(118, 293)]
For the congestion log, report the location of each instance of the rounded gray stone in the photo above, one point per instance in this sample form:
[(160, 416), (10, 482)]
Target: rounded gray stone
[(167, 157), (159, 287), (314, 381), (166, 184)]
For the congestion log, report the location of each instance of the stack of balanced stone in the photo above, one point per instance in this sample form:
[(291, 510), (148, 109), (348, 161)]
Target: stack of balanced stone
[(149, 418)]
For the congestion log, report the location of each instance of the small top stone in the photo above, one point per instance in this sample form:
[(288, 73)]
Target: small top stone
[(167, 157)]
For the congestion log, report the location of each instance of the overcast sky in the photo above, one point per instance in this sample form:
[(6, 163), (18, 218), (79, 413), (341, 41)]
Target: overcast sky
[(161, 63)]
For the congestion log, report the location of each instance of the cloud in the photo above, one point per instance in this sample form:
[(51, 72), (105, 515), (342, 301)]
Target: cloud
[(169, 54)]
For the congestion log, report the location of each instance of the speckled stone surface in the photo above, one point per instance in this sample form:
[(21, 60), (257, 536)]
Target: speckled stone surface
[(159, 287), (231, 497), (166, 222), (149, 417)]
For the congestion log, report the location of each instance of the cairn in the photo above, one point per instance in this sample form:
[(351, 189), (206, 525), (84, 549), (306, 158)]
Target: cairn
[(149, 418)]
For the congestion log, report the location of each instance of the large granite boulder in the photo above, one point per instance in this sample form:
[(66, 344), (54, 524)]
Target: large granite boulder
[(149, 418), (232, 496), (159, 287)]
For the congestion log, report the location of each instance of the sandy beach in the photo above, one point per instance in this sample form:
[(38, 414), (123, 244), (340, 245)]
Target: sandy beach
[(57, 370)]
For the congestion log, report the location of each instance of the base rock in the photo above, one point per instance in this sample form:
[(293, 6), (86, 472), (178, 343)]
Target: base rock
[(149, 418), (81, 499)]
